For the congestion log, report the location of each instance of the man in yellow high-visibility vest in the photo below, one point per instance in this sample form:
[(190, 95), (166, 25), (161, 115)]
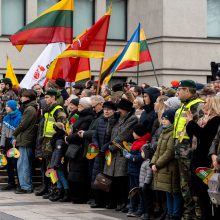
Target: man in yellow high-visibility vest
[(183, 149), (54, 113)]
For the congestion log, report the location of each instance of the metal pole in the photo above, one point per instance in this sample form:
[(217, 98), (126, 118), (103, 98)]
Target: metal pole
[(155, 73), (100, 74), (138, 73)]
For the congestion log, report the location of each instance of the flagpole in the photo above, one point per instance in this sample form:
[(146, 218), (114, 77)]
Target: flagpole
[(155, 73), (71, 88), (138, 73), (100, 74)]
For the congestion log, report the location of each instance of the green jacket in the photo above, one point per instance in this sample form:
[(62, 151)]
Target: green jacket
[(25, 133), (167, 176)]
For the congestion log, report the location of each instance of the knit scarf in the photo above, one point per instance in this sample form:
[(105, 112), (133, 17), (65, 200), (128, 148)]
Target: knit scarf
[(12, 119)]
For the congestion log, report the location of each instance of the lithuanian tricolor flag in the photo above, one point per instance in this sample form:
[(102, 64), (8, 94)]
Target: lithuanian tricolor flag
[(53, 25), (91, 43)]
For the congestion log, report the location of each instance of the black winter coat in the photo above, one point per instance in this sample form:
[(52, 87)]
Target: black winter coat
[(148, 116), (78, 167), (101, 139)]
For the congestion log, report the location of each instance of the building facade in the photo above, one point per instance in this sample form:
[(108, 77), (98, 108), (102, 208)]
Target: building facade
[(183, 36)]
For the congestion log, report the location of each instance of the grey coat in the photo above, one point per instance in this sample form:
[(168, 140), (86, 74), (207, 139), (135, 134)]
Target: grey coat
[(122, 131), (146, 174)]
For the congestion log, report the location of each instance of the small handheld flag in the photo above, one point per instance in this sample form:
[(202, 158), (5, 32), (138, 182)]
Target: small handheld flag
[(108, 157), (204, 173), (127, 146), (13, 152), (3, 160), (93, 151), (52, 174)]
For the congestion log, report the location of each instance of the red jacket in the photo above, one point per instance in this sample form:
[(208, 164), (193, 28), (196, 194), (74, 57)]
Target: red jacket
[(138, 144)]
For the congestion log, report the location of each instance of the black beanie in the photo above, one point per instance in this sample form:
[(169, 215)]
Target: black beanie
[(169, 115), (117, 87), (139, 130), (153, 93), (60, 82), (75, 101)]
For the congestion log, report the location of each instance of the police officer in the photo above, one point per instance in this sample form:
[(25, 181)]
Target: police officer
[(183, 150)]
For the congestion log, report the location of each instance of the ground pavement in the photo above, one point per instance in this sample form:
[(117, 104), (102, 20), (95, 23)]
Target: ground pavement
[(30, 207)]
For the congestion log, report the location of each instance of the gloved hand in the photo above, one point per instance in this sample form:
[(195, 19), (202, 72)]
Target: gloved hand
[(126, 154)]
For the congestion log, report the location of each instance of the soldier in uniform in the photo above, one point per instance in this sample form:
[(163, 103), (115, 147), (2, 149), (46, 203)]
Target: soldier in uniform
[(183, 145)]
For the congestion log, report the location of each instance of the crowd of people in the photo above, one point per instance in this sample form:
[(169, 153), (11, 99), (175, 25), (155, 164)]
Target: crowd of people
[(149, 141)]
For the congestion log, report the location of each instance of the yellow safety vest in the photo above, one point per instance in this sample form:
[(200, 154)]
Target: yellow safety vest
[(180, 120), (49, 121)]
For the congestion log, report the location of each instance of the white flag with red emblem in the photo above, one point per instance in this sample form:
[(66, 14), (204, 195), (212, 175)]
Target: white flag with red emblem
[(37, 72)]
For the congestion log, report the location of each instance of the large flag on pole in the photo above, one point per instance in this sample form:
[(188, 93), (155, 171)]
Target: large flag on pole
[(144, 56), (37, 72), (53, 25), (11, 74), (130, 56)]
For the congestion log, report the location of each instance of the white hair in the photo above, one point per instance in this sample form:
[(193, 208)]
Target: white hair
[(85, 102), (97, 99)]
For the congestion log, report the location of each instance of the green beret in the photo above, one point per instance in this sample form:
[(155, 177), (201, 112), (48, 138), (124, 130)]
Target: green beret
[(51, 92), (187, 83), (6, 81)]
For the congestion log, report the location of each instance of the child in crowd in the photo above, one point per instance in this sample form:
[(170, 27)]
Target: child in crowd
[(59, 145), (10, 123), (145, 181), (165, 167), (141, 136)]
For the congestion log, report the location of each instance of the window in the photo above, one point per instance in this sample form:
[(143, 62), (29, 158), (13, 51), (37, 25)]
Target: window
[(118, 24), (13, 16), (43, 5), (213, 20), (83, 16)]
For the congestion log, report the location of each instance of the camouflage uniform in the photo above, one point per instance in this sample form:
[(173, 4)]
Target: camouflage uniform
[(183, 153)]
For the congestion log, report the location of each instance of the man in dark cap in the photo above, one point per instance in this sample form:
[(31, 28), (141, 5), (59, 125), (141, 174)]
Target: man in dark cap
[(7, 94), (78, 88), (24, 138), (61, 84), (54, 113), (183, 149)]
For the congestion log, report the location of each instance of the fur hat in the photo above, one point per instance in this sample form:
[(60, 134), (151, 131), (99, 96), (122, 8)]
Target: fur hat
[(110, 105), (125, 104)]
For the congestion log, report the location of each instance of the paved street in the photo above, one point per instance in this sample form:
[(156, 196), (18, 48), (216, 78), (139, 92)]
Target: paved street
[(30, 207)]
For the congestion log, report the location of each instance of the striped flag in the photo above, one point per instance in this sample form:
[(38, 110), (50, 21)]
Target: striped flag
[(53, 25)]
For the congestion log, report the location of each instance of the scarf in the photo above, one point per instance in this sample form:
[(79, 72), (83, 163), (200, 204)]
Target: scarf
[(12, 119)]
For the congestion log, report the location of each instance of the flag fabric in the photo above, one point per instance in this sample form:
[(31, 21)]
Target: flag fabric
[(72, 69), (13, 152), (144, 56), (108, 157), (3, 160), (127, 146), (107, 66), (53, 176), (92, 152), (53, 25), (91, 43), (204, 173), (130, 56), (37, 72), (11, 74)]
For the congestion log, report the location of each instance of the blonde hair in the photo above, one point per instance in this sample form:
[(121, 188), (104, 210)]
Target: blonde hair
[(213, 104), (162, 106)]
